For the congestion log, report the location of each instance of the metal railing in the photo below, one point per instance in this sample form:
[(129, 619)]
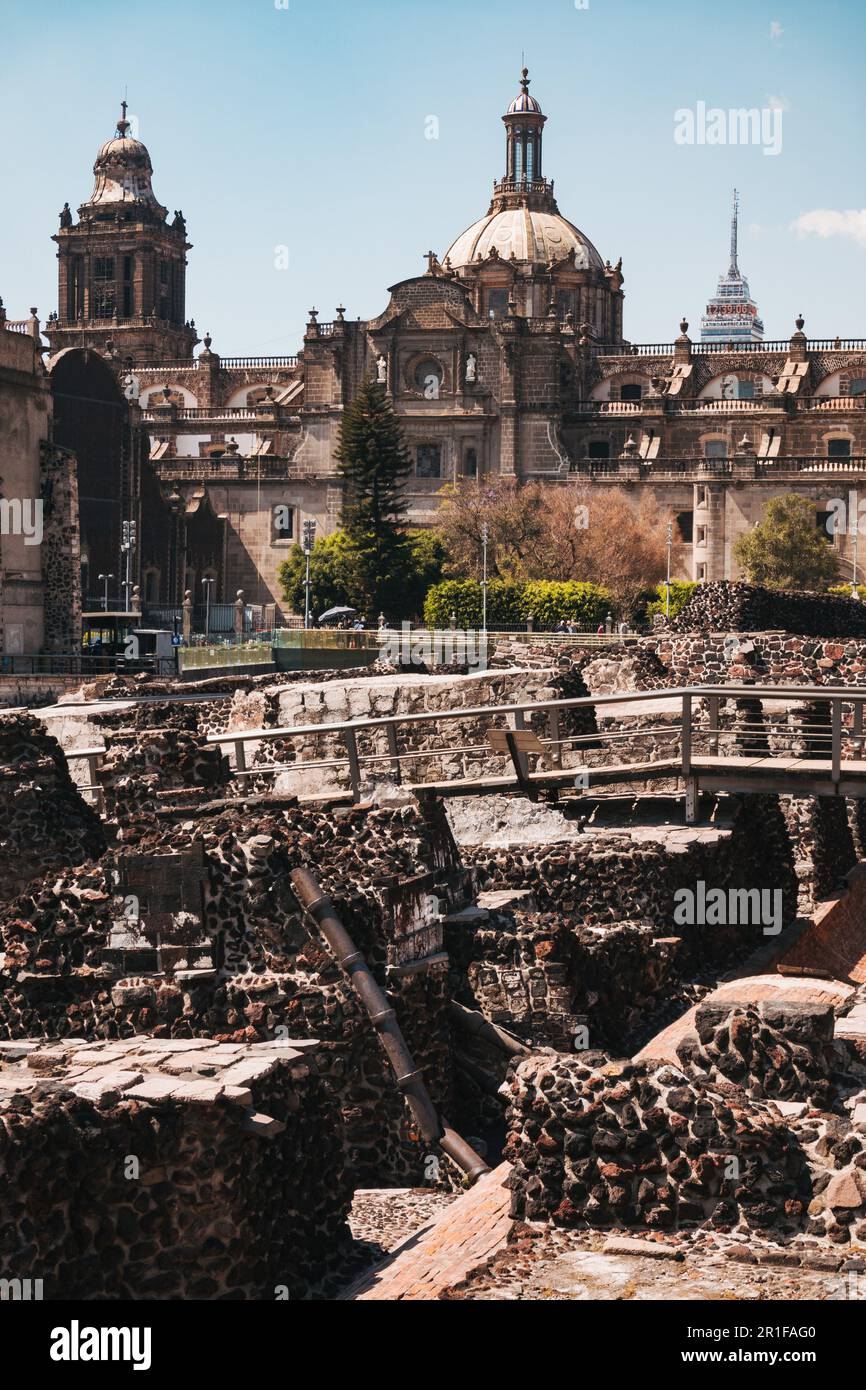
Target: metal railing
[(696, 739), (73, 664)]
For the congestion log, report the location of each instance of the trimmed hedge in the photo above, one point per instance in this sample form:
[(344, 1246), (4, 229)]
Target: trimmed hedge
[(509, 605), (681, 592)]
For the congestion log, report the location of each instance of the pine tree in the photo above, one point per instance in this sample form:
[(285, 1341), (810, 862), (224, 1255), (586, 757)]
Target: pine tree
[(373, 462)]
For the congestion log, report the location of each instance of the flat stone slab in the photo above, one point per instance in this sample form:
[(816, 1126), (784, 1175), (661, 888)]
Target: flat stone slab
[(646, 1249), (157, 1070), (497, 899)]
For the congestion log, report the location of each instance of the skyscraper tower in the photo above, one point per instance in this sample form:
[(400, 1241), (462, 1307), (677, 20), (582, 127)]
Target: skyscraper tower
[(732, 316)]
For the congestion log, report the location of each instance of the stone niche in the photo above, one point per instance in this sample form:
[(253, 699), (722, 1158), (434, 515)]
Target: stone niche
[(171, 1169)]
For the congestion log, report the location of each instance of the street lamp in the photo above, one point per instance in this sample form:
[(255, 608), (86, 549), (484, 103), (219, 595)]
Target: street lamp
[(207, 582), (309, 542), (852, 526), (485, 535), (130, 529), (105, 578)]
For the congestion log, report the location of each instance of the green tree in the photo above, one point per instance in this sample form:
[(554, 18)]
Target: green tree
[(786, 550), (334, 578), (427, 560), (681, 592), (373, 461), (330, 575)]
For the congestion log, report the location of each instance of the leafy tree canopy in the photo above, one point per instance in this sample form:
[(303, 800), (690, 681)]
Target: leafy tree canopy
[(786, 550)]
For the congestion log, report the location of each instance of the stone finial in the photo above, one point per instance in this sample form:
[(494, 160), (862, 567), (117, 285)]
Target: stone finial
[(684, 326), (341, 313), (800, 322)]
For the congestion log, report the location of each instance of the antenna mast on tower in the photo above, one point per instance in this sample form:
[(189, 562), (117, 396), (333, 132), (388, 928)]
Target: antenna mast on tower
[(734, 269)]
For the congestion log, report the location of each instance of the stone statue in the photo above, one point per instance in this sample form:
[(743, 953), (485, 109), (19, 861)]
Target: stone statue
[(66, 216), (381, 369), (471, 367)]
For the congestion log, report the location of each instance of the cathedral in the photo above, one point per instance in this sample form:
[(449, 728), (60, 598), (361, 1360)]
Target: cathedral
[(504, 356)]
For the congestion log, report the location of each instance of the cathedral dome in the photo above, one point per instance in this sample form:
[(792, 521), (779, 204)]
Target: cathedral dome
[(523, 222), (527, 235), (122, 173)]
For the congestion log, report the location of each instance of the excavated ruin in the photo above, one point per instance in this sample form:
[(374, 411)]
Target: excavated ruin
[(152, 947)]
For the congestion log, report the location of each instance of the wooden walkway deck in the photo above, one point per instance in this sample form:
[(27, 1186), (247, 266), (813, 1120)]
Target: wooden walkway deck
[(529, 740)]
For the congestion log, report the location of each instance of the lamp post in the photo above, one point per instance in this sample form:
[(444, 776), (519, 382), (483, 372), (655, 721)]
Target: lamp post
[(208, 582), (309, 542), (852, 526), (668, 580), (485, 535), (130, 529), (104, 578)]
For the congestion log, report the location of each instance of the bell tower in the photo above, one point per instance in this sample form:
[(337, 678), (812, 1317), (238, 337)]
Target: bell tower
[(122, 265)]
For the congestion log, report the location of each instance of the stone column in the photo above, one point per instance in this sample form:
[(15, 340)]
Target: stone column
[(187, 615), (239, 613)]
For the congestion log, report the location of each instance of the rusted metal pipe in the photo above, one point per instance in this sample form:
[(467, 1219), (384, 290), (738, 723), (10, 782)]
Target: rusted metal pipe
[(434, 1129), (473, 1022)]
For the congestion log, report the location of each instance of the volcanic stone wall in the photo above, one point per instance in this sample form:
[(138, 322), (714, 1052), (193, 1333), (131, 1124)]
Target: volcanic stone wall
[(60, 551), (762, 1126), (44, 822), (777, 658), (618, 1144), (732, 606), (271, 977), (778, 1050), (154, 1169)]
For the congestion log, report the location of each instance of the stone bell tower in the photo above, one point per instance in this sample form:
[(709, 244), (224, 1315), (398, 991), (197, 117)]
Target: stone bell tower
[(122, 265)]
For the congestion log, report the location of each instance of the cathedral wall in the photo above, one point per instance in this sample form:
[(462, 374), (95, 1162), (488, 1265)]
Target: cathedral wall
[(25, 412)]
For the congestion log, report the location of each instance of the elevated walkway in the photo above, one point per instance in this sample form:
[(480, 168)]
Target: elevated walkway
[(698, 737)]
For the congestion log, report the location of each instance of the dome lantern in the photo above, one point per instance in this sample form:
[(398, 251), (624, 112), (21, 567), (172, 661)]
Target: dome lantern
[(524, 123)]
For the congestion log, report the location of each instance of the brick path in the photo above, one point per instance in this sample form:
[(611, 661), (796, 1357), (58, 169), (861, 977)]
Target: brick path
[(443, 1252)]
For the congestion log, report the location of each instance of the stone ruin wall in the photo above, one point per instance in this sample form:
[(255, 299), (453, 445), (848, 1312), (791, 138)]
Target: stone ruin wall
[(60, 551), (593, 946), (64, 975), (190, 1165), (595, 1142)]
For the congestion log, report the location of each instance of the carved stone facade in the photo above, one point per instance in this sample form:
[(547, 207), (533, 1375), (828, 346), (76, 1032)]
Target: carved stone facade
[(505, 357)]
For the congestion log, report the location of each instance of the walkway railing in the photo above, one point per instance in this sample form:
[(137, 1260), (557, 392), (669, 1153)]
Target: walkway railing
[(740, 738)]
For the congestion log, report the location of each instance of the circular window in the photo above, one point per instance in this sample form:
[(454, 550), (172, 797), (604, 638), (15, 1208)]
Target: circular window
[(428, 376)]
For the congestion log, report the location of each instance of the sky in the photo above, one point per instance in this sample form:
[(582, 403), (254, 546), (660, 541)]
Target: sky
[(295, 137)]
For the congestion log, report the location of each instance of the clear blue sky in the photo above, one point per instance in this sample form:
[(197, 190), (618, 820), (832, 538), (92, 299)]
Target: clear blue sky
[(305, 127)]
